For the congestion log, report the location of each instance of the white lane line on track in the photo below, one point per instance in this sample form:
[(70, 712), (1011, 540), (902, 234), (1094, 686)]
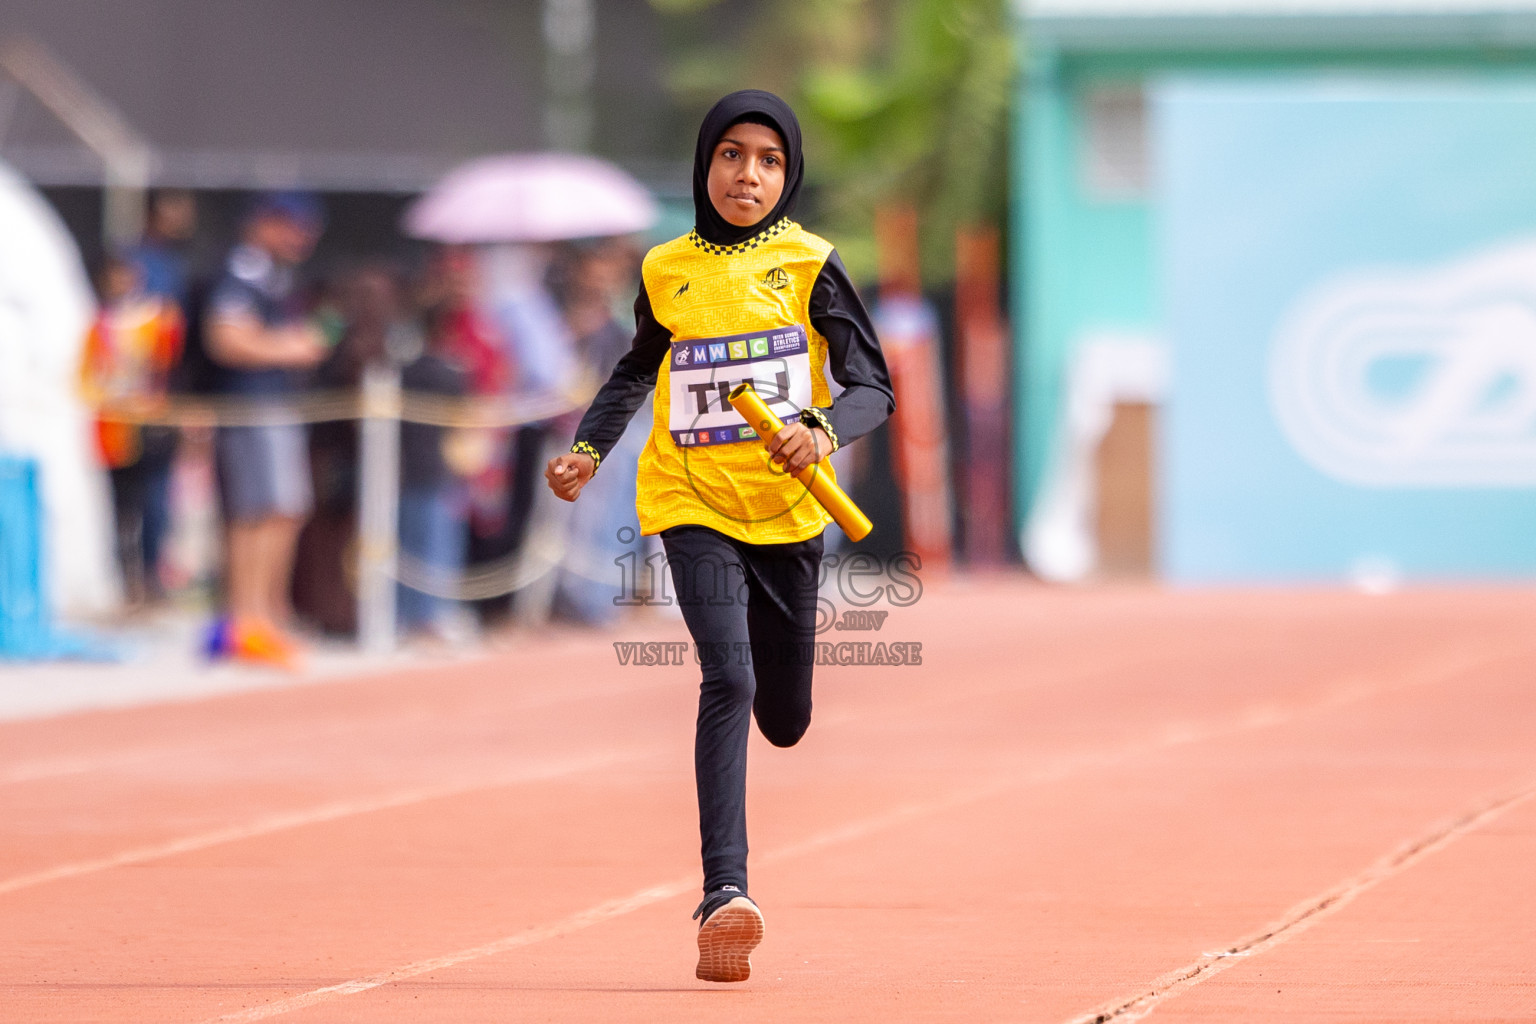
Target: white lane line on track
[(59, 767), (605, 911), (1449, 667), (575, 922), (52, 768), (1302, 916), (317, 815), (1181, 734), (340, 809)]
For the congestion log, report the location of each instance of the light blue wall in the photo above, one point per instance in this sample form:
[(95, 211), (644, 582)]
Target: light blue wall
[(1351, 298), (1082, 264)]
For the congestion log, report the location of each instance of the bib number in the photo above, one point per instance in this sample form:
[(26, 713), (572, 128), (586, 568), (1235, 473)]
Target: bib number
[(705, 370)]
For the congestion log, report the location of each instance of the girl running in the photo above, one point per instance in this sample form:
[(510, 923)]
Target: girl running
[(748, 294)]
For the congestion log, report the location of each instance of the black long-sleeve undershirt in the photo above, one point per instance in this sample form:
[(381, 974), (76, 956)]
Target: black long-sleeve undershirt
[(836, 311), (853, 354)]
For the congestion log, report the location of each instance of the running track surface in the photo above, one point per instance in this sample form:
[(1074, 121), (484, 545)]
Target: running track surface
[(1104, 803)]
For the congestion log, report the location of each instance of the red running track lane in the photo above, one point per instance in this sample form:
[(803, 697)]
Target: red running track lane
[(1111, 804)]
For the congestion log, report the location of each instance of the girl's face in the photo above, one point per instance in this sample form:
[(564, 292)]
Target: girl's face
[(746, 173)]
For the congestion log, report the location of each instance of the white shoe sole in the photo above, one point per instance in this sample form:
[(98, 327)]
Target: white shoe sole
[(727, 939)]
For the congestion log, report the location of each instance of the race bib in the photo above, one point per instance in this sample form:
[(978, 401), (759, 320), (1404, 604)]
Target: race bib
[(703, 372)]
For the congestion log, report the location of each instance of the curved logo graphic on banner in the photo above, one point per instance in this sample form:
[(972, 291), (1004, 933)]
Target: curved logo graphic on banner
[(1415, 379)]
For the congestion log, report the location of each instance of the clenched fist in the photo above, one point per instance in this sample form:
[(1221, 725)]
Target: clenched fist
[(568, 474), (797, 446)]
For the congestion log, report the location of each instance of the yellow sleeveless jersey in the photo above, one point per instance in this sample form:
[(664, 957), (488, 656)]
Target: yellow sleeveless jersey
[(735, 313)]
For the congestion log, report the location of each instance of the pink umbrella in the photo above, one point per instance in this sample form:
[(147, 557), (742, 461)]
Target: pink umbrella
[(535, 197)]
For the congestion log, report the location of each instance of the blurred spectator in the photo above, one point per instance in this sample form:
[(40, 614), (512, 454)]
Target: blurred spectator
[(164, 264), (595, 282), (257, 333), (129, 352), (362, 311), (516, 294), (162, 255), (433, 497), (469, 338)]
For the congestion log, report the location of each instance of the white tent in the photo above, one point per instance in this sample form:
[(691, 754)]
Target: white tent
[(45, 309)]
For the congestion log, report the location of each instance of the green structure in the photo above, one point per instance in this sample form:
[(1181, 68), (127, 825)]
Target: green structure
[(1085, 212)]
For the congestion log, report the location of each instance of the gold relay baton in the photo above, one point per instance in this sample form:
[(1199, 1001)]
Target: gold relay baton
[(822, 487)]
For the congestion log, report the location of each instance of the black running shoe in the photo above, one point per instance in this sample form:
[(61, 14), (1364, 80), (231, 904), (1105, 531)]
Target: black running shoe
[(730, 929)]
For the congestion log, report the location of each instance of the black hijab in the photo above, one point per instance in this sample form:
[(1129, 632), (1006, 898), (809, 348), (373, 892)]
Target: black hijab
[(755, 107)]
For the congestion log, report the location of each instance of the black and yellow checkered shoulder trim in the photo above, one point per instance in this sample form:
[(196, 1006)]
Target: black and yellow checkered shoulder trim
[(815, 417), (767, 234), (582, 448)]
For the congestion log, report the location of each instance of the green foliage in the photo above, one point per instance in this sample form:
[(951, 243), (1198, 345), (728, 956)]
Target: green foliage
[(901, 101)]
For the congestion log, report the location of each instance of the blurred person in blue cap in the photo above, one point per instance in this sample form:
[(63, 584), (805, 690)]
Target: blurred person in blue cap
[(259, 336)]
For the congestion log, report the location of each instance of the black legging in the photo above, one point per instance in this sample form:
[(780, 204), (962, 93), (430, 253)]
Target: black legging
[(752, 611)]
